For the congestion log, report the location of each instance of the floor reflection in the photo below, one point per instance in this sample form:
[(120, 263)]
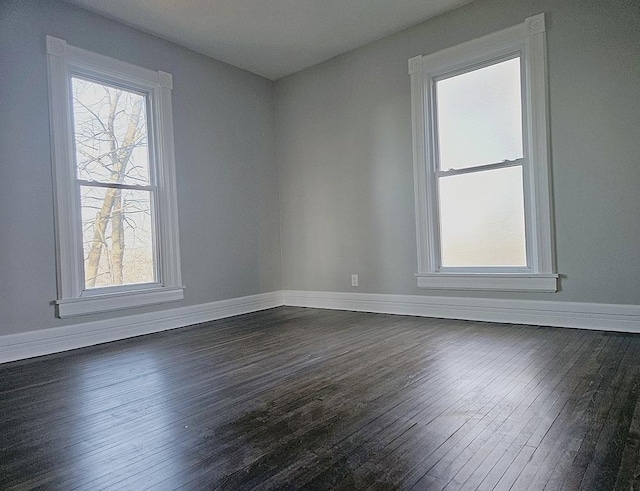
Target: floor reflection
[(294, 398), (121, 423)]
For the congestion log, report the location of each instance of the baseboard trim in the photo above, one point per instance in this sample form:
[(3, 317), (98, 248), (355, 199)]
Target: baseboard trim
[(605, 317), (57, 339)]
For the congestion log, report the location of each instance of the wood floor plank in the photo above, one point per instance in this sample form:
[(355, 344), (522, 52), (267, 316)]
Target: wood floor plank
[(524, 403), (295, 398), (492, 457), (470, 418), (426, 413), (520, 429), (629, 469), (552, 444)]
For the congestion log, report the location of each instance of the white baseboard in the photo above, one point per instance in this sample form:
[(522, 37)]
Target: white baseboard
[(606, 317), (57, 339)]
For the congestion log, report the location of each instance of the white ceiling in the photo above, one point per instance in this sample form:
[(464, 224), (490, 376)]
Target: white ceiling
[(272, 38)]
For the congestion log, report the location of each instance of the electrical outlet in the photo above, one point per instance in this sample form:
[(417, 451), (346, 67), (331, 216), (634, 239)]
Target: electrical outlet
[(354, 280)]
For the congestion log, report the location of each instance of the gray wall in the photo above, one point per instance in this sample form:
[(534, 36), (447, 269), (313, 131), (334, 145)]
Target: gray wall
[(225, 158), (345, 164)]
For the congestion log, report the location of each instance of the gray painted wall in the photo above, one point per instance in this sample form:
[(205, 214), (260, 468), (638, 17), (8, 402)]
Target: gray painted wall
[(225, 158), (345, 164)]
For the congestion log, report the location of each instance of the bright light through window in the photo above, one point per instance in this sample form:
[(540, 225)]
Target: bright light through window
[(479, 124), (112, 164), (480, 116), (482, 219)]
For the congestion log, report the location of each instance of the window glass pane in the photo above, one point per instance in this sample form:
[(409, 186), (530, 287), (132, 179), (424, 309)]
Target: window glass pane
[(110, 133), (482, 219), (479, 116), (117, 237)]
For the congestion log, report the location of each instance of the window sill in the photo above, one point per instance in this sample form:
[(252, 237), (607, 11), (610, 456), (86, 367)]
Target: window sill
[(508, 282), (116, 301)]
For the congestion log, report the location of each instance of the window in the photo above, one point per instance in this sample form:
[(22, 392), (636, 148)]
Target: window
[(114, 176), (481, 165)]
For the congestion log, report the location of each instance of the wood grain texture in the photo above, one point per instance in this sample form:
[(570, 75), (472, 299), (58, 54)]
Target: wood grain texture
[(295, 398)]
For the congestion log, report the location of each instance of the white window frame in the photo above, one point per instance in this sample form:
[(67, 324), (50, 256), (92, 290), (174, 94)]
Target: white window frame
[(65, 61), (526, 40)]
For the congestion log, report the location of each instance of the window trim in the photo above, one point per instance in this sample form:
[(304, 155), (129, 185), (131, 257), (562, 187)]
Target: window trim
[(63, 61), (528, 41)]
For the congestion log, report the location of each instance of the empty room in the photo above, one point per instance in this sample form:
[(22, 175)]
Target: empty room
[(303, 244)]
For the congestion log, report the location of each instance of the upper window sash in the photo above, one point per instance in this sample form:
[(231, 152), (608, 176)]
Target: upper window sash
[(435, 77), (526, 41), (64, 62)]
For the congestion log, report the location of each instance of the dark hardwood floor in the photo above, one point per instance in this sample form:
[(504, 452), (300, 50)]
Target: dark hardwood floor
[(294, 398)]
